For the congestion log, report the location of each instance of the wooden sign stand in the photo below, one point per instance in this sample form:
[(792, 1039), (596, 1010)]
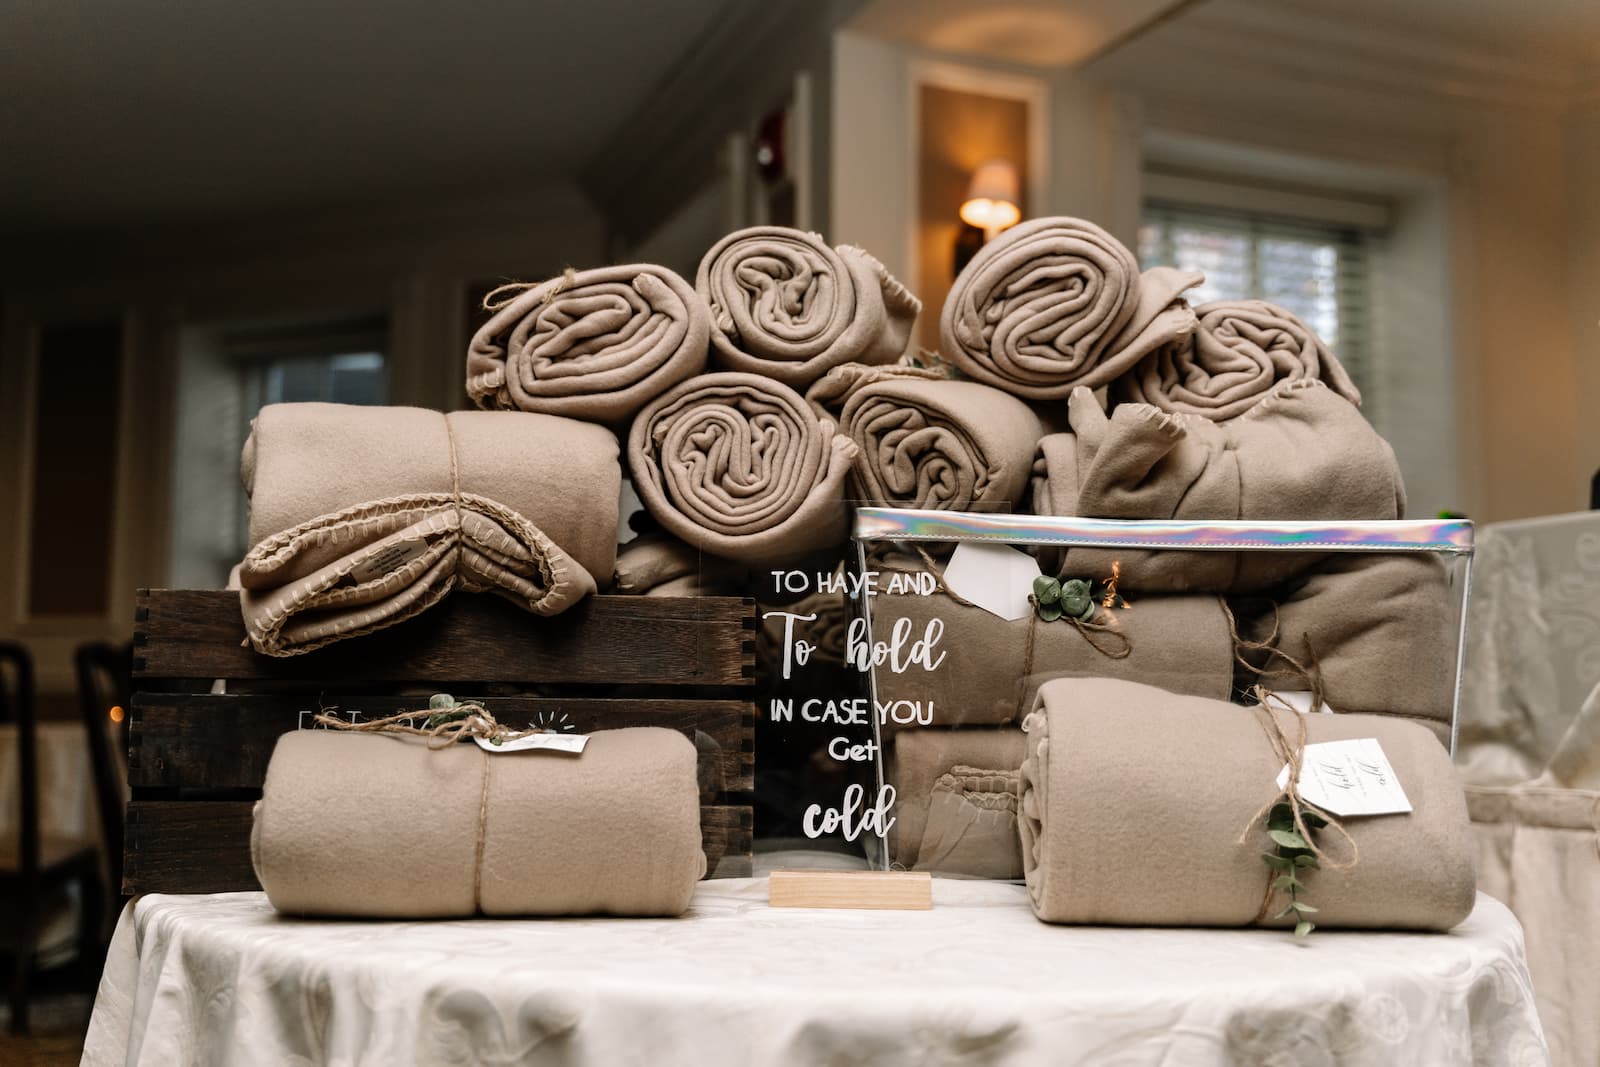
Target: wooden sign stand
[(878, 890)]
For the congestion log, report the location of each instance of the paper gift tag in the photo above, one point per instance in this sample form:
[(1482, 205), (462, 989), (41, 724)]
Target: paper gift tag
[(1349, 778), (1299, 700), (547, 742), (997, 578)]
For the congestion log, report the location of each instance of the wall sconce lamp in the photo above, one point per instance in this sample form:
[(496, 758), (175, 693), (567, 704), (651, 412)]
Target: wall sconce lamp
[(992, 198)]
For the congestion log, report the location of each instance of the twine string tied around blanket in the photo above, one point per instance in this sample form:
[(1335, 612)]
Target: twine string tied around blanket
[(501, 295), (442, 727)]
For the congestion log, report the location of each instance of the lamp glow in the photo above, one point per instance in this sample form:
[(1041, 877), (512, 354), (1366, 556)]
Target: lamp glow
[(992, 198)]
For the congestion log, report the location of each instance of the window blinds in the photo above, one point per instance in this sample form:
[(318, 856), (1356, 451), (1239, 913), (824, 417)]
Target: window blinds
[(1319, 270)]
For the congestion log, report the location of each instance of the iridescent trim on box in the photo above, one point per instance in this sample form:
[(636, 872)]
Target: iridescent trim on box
[(1453, 537)]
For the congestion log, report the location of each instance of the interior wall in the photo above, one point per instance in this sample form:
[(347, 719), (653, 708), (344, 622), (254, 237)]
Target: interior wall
[(414, 261)]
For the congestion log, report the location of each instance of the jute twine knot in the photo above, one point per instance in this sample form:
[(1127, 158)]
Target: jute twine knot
[(500, 296), (442, 727)]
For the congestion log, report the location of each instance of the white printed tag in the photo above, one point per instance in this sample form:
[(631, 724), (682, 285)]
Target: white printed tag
[(547, 742), (997, 578), (389, 558), (1349, 778)]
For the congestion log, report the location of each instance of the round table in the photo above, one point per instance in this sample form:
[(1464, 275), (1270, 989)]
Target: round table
[(977, 980)]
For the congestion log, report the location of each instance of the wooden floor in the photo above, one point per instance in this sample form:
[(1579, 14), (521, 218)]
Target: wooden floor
[(58, 1024)]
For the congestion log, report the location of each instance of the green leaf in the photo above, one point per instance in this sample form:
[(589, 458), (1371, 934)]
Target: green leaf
[(1307, 860), (1278, 863), (1285, 912), (1281, 817), (1288, 838), (1304, 927), (1312, 819), (1049, 612), (1046, 590), (440, 701), (1301, 906), (1079, 607), (1287, 882)]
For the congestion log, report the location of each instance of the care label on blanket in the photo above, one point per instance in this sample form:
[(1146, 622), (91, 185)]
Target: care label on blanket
[(997, 578), (1349, 778), (548, 742), (389, 558)]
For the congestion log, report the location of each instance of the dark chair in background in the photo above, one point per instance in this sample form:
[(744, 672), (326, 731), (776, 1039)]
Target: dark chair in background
[(35, 870), (105, 688)]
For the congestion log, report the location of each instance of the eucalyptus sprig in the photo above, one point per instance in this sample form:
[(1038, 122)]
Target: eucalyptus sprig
[(1294, 855), (1053, 598)]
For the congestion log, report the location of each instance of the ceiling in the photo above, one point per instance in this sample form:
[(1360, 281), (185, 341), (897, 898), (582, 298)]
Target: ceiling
[(1039, 33), (1564, 30), (115, 113)]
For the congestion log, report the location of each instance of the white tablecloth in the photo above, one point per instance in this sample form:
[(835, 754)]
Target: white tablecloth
[(977, 980)]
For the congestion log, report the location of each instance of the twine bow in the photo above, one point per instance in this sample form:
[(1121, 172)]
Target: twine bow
[(446, 723), (500, 296)]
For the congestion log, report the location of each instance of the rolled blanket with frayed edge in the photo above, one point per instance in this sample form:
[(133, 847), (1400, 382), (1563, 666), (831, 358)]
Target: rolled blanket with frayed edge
[(786, 305), (926, 441), (739, 466), (1056, 303), (1144, 808), (1238, 354), (592, 344)]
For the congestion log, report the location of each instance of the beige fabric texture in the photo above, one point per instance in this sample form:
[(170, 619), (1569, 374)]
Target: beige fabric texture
[(597, 344), (359, 518), (740, 467), (956, 801), (1539, 854), (1241, 351), (381, 826), (1120, 776), (1056, 303), (1180, 643), (787, 306), (1302, 453), (928, 442), (1383, 629), (658, 564)]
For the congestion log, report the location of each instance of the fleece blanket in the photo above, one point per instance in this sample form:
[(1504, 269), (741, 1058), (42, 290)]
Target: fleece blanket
[(1055, 303), (362, 517), (786, 305), (1241, 350), (737, 465), (1142, 807), (926, 441), (956, 801), (1302, 453), (381, 826)]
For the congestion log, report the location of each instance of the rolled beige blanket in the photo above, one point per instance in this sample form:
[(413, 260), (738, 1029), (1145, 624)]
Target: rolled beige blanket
[(1240, 352), (592, 344), (955, 807), (362, 517), (1302, 453), (1182, 643), (926, 441), (1055, 303), (1382, 630), (739, 466), (380, 826), (658, 564), (1141, 807), (787, 306)]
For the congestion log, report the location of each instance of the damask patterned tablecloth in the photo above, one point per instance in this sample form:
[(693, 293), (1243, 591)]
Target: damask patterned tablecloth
[(977, 980)]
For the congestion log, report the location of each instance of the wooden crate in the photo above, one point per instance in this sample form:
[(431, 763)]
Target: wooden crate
[(197, 758)]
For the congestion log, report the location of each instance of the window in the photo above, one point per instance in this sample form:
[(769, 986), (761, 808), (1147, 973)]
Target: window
[(229, 374), (1319, 270)]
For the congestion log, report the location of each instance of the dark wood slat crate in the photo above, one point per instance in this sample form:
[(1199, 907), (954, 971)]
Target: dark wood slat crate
[(197, 758)]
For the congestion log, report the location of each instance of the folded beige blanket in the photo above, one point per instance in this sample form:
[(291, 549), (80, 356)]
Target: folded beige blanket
[(1302, 453), (956, 801), (658, 564), (1134, 801), (380, 826), (786, 305), (1056, 303), (1181, 643), (592, 344), (929, 442), (1384, 631), (1241, 351), (362, 517), (739, 466)]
